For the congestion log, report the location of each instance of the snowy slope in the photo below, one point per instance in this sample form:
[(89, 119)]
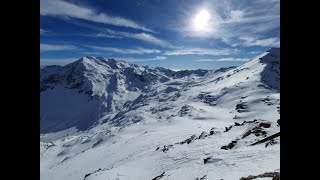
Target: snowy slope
[(187, 126)]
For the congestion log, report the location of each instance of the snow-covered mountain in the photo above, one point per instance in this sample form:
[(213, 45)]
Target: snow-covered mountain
[(107, 119), (93, 89)]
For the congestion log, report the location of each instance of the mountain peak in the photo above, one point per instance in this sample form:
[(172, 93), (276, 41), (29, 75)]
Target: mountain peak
[(274, 51), (272, 55), (113, 63)]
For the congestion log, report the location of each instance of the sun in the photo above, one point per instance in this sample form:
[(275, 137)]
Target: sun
[(201, 20)]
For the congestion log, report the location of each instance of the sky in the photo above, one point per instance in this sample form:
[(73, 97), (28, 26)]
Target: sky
[(175, 34)]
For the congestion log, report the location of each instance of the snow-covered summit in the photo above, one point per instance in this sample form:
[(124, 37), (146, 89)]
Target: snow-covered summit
[(96, 74)]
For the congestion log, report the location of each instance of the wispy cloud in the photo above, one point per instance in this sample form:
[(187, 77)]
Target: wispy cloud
[(126, 51), (254, 52), (223, 59), (42, 31), (95, 53), (233, 59), (200, 51), (108, 33), (269, 42), (140, 36), (104, 35), (56, 61), (68, 9), (57, 47), (157, 58)]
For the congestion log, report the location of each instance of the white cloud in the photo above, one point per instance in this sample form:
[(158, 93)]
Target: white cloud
[(204, 60), (200, 51), (105, 35), (233, 59), (157, 58), (61, 62), (126, 51), (42, 31), (223, 59), (57, 47), (67, 9), (140, 36), (254, 52), (160, 58), (269, 42), (95, 53)]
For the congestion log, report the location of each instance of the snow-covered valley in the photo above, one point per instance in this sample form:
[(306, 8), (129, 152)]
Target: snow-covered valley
[(107, 119)]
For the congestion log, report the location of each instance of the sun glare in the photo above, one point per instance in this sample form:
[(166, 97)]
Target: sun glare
[(201, 20)]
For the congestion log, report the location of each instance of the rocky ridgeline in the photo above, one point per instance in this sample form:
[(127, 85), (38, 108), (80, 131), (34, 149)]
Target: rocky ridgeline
[(257, 130)]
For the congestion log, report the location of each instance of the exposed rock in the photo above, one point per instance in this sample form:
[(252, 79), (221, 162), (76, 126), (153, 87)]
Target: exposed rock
[(165, 148), (248, 122), (265, 125), (229, 146), (211, 160), (189, 140), (186, 109), (257, 131), (246, 134), (47, 145), (243, 97), (89, 174), (267, 138), (203, 135), (240, 107), (205, 160), (274, 176), (228, 128), (158, 177), (212, 131), (235, 117), (271, 142), (203, 177), (269, 101)]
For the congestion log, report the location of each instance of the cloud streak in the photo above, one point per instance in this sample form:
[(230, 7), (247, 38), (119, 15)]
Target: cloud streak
[(157, 58), (105, 36), (57, 47), (223, 60), (126, 51), (42, 31), (61, 62), (140, 36), (67, 9), (269, 42), (200, 51)]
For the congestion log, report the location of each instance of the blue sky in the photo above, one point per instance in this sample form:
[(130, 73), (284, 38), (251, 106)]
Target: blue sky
[(176, 34)]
